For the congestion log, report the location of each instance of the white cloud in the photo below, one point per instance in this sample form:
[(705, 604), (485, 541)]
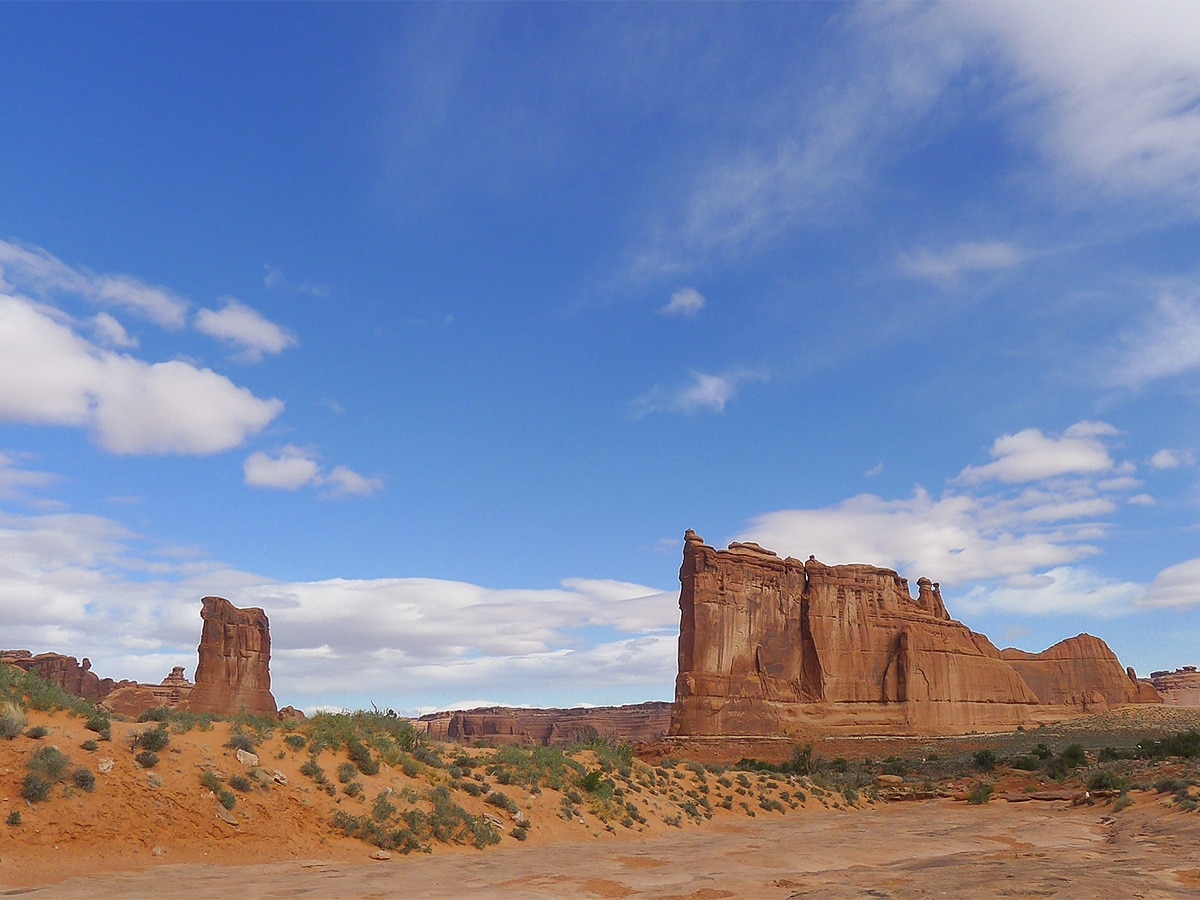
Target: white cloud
[(15, 479), (238, 324), (1113, 89), (1166, 344), (293, 467), (111, 333), (33, 270), (946, 268), (874, 471), (704, 393), (1029, 455), (51, 375), (1177, 586), (277, 281), (1062, 589), (684, 303), (1172, 459)]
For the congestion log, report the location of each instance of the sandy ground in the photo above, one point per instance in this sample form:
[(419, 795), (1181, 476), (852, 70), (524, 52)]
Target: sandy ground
[(930, 849), (158, 833)]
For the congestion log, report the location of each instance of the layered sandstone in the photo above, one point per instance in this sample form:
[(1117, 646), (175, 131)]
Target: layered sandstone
[(772, 646), (67, 672), (235, 654), (550, 727), (1178, 688)]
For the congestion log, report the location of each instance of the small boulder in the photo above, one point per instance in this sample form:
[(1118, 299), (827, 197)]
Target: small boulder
[(105, 766), (247, 758), (381, 855), (279, 777), (889, 780)]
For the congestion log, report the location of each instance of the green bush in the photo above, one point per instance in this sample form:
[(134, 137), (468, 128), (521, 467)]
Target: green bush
[(240, 782), (346, 772), (240, 740), (35, 788), (226, 798), (313, 770), (12, 720), (155, 714), (153, 739), (37, 732), (981, 794), (353, 789), (1074, 757), (1104, 780), (90, 746), (504, 802), (147, 759), (361, 757), (1026, 763), (295, 741), (14, 817), (985, 760), (84, 779), (210, 780), (50, 763)]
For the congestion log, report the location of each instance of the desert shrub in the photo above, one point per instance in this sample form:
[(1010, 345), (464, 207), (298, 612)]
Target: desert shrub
[(1104, 780), (313, 770), (153, 739), (521, 832), (428, 756), (473, 788), (155, 714), (981, 794), (100, 724), (353, 789), (503, 801), (212, 781), (895, 767), (1186, 803), (1185, 744), (240, 740), (1108, 754), (1123, 801), (90, 746), (985, 760), (361, 757), (849, 793), (14, 817), (37, 732), (1026, 763), (147, 759), (839, 765), (49, 763), (346, 772), (1074, 756), (35, 788), (226, 798), (1041, 751), (84, 779), (295, 741), (383, 808), (240, 782), (12, 720)]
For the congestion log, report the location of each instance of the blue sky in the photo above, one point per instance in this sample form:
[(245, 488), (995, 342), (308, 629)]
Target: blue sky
[(430, 328)]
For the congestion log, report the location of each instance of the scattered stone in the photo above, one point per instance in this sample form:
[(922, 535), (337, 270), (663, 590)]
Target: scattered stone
[(154, 780), (279, 777), (246, 758), (381, 855), (889, 780), (225, 815), (104, 766), (158, 850)]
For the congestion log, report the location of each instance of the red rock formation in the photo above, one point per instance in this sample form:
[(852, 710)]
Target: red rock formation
[(1178, 688), (772, 646), (235, 654), (65, 671), (550, 727), (1080, 672)]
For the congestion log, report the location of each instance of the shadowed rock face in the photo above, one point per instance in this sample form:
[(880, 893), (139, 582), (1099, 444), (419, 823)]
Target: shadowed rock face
[(772, 646), (235, 654)]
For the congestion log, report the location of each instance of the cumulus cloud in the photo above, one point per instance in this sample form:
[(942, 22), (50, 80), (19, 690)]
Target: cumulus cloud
[(1172, 459), (34, 271), (294, 467), (703, 393), (1176, 586), (1030, 455), (1015, 547), (684, 303), (51, 375), (947, 267), (90, 586), (238, 324)]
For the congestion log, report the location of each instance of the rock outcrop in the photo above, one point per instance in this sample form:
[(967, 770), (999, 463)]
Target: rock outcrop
[(550, 727), (1178, 688), (772, 646), (235, 654), (67, 672)]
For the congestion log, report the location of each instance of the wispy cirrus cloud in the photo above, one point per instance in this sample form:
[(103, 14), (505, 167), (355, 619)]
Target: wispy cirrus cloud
[(1165, 344), (684, 303), (703, 393), (947, 267)]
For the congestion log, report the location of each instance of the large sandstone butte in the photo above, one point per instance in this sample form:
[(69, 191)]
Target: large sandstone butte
[(779, 647), (235, 655), (550, 727)]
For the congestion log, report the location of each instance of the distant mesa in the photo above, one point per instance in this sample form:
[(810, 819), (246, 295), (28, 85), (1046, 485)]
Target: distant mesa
[(780, 648), (1178, 688), (550, 727)]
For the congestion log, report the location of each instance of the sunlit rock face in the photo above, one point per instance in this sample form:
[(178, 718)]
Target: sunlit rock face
[(235, 654), (772, 646), (1178, 688)]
